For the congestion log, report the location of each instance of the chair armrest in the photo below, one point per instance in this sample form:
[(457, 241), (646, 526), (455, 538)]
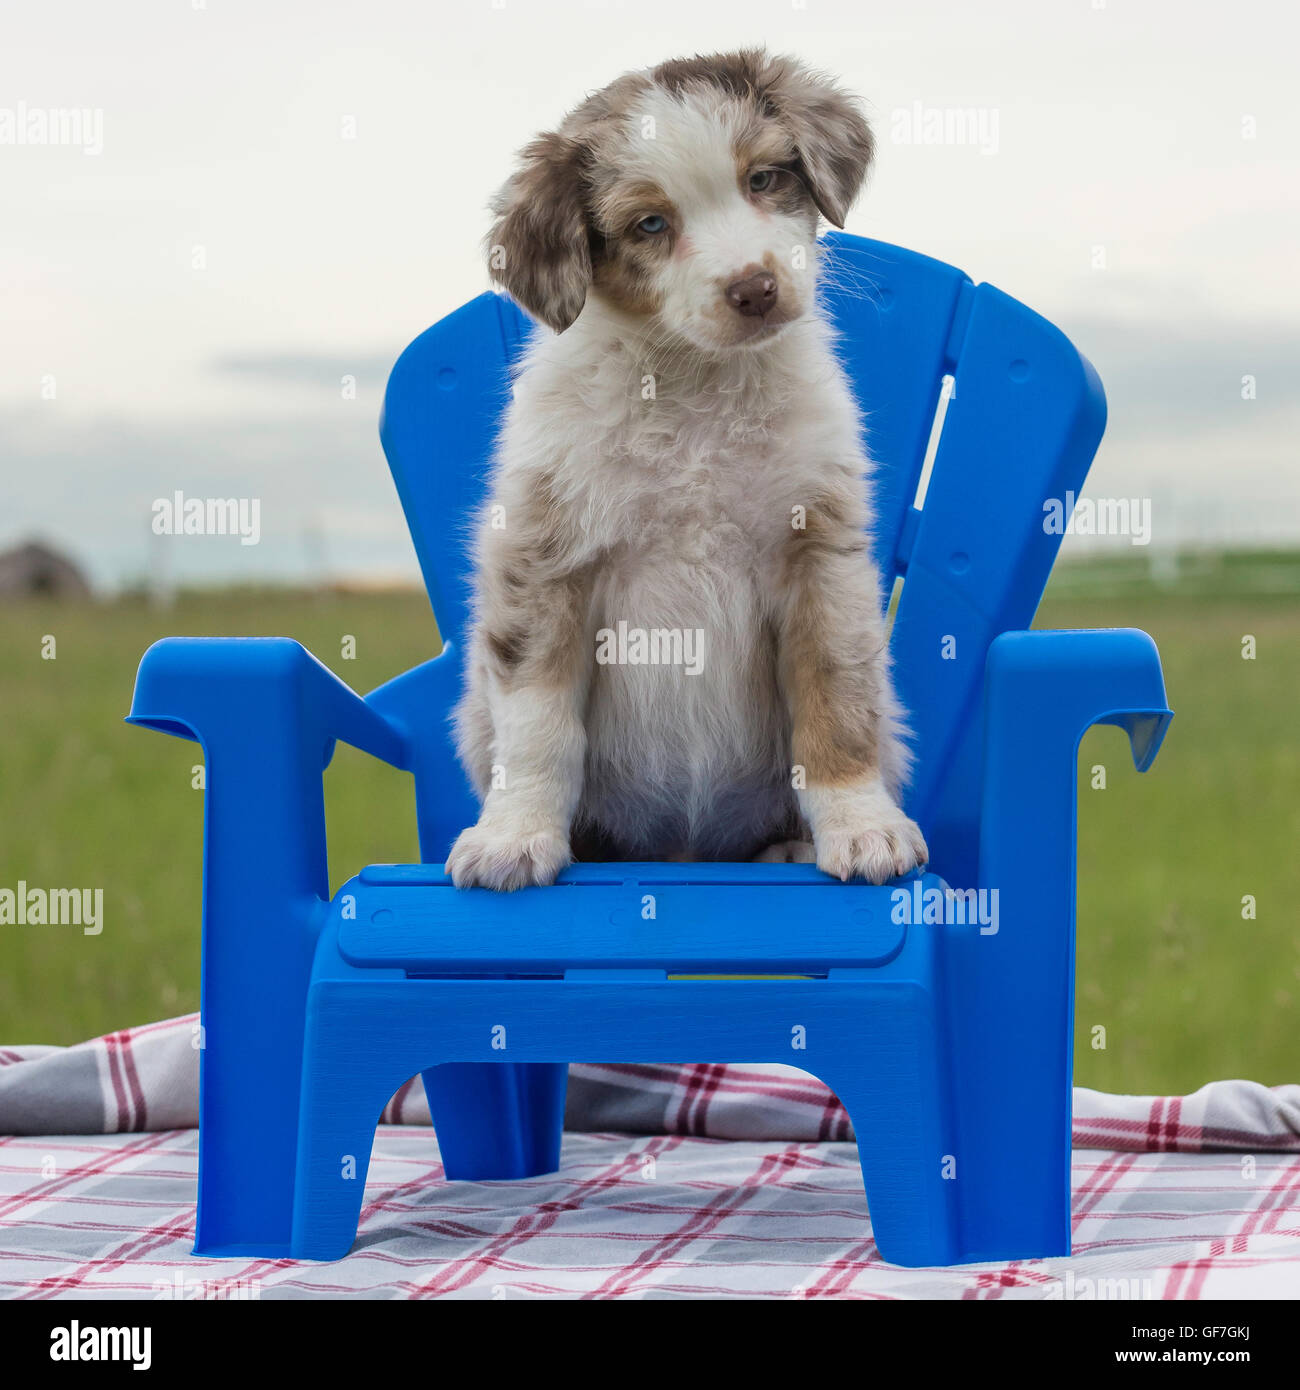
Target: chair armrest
[(267, 715), (1043, 691), (1011, 987), (191, 687)]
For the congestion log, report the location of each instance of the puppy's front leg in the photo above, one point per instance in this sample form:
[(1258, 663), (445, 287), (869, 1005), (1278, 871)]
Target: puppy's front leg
[(533, 669), (846, 746)]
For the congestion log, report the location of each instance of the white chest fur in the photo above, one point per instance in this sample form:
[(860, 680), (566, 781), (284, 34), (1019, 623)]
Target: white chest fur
[(680, 485)]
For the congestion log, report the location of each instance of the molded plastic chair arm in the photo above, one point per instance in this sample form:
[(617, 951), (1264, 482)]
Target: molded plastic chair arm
[(1043, 690), (267, 714), (193, 686), (1010, 980)]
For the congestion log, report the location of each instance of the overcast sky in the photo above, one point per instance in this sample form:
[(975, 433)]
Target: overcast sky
[(282, 193)]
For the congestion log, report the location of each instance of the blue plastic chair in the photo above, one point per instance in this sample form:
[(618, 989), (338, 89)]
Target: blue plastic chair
[(949, 1044)]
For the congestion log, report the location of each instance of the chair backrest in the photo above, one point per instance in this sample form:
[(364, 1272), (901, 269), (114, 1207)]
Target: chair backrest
[(1024, 416)]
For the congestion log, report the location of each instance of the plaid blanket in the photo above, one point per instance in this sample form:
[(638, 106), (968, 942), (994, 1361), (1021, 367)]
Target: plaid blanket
[(718, 1182)]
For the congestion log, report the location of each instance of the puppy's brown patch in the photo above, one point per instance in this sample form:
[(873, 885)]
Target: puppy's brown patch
[(832, 142), (625, 259), (835, 691), (533, 592)]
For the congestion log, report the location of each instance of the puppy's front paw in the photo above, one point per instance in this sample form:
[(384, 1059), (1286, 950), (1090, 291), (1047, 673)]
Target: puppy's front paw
[(505, 858), (868, 837)]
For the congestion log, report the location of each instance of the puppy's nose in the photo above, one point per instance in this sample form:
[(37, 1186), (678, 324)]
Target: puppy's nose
[(754, 296)]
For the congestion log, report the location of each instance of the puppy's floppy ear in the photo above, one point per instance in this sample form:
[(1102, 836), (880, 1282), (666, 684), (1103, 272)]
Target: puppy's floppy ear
[(834, 141), (538, 249)]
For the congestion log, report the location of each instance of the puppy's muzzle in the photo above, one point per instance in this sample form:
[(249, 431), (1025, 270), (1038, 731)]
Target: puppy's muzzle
[(754, 296)]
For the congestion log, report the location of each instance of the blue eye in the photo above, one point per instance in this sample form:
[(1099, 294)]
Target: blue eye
[(652, 226)]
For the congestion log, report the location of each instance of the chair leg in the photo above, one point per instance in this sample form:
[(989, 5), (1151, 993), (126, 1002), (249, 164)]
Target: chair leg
[(1014, 1189), (264, 879), (497, 1120), (344, 1094), (1012, 1053), (892, 1082), (902, 1161)]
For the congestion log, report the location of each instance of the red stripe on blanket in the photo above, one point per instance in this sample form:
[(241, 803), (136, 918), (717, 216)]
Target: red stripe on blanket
[(136, 1248), (534, 1222), (1109, 1132), (698, 1224), (122, 1121), (141, 1117), (109, 1158), (702, 1083)]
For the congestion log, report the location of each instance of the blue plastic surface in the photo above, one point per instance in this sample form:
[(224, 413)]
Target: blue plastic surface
[(948, 1041)]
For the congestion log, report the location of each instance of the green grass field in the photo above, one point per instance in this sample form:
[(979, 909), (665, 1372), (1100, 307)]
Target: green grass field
[(1185, 988)]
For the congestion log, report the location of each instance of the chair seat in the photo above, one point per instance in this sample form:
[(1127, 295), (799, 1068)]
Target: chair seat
[(680, 918)]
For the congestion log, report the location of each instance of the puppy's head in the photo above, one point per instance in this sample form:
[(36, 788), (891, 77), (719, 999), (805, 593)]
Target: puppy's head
[(687, 196)]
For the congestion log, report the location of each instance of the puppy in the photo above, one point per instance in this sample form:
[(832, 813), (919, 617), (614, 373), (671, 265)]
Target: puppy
[(678, 650)]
